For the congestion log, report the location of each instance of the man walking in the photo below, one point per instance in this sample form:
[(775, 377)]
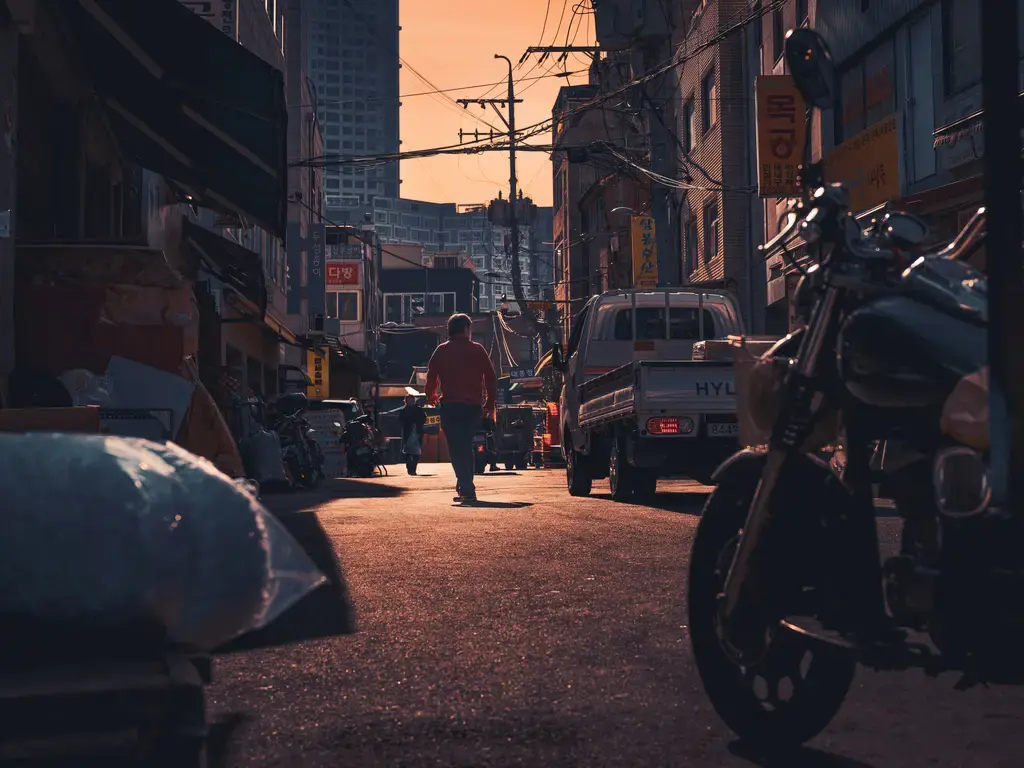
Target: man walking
[(467, 379), (413, 420)]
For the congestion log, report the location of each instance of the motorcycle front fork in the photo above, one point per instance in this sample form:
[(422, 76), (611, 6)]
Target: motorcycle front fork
[(741, 610)]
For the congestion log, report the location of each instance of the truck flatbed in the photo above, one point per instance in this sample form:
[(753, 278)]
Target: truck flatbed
[(654, 388)]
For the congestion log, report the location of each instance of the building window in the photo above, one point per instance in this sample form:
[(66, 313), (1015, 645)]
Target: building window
[(961, 42), (689, 125), (802, 13), (440, 303), (868, 91), (343, 305), (711, 227), (691, 244), (402, 307), (778, 34), (709, 101)]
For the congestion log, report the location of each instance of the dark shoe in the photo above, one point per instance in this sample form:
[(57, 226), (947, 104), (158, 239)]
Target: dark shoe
[(466, 499)]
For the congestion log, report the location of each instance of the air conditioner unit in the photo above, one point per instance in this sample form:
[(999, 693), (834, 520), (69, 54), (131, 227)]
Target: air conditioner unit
[(316, 325)]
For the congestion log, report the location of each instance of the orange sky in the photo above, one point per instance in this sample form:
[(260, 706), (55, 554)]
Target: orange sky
[(452, 43)]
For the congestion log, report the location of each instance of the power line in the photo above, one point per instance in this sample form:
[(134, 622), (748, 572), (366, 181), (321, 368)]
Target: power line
[(372, 29), (537, 128), (454, 89)]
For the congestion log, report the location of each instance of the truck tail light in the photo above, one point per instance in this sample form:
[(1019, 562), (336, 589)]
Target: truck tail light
[(669, 425)]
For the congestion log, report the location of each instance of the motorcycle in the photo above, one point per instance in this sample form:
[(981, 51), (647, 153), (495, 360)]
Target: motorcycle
[(787, 589), (303, 456), (360, 439)]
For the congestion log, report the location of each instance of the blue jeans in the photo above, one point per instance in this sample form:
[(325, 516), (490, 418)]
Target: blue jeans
[(460, 422)]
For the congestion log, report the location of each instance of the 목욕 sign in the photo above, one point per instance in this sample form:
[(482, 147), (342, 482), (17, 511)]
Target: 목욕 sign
[(781, 133), (868, 164), (645, 252)]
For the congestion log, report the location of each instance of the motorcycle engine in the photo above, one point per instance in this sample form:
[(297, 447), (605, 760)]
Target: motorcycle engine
[(960, 574)]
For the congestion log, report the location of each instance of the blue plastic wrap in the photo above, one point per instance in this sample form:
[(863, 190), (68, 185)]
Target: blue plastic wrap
[(106, 531)]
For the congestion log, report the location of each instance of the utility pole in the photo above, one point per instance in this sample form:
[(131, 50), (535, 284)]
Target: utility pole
[(657, 94), (645, 27), (510, 101), (1002, 173)]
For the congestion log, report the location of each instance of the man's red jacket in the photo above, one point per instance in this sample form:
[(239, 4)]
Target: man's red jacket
[(466, 373)]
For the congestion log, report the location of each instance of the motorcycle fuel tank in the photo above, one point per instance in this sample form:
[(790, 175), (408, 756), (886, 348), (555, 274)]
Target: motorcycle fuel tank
[(899, 352)]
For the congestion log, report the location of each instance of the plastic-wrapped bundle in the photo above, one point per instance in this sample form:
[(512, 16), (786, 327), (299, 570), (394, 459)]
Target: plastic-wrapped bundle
[(110, 532)]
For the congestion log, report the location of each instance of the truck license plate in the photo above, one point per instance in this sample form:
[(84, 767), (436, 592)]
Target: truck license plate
[(723, 430)]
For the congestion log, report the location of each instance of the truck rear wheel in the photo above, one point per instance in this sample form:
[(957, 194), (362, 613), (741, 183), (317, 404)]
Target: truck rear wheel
[(577, 471), (620, 472)]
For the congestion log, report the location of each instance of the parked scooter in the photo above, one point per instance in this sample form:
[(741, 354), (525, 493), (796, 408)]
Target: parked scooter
[(303, 457), (360, 439)]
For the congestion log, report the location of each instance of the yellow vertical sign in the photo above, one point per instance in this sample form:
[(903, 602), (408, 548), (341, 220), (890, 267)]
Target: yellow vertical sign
[(319, 372), (781, 133), (645, 251)]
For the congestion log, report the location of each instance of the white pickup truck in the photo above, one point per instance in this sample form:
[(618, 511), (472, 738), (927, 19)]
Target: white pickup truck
[(635, 405)]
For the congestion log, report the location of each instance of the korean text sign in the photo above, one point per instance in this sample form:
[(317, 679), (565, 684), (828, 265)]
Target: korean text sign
[(343, 273), (781, 133), (868, 164), (645, 252), (317, 370)]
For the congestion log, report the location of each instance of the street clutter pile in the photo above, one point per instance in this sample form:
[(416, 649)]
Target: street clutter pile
[(103, 532), (119, 330)]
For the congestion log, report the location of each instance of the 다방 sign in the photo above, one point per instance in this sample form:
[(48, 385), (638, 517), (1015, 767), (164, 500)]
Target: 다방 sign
[(645, 252), (781, 133), (342, 273), (868, 164)]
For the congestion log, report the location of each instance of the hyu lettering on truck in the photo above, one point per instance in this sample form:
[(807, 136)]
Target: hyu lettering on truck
[(719, 388)]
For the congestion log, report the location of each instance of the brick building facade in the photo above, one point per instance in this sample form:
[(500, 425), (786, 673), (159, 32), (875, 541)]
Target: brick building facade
[(715, 118)]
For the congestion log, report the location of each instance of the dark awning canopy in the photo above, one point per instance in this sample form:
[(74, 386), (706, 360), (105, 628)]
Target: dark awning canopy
[(235, 265), (357, 361), (188, 102), (965, 127)]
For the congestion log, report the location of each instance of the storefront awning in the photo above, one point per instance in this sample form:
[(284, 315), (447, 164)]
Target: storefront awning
[(356, 360), (967, 126), (186, 101), (234, 265)]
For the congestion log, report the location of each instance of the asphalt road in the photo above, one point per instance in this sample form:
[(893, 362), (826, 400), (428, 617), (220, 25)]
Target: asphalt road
[(540, 630)]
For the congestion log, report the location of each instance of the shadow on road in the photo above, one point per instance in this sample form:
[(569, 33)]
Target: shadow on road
[(494, 504), (329, 490), (802, 757), (683, 503), (326, 612)]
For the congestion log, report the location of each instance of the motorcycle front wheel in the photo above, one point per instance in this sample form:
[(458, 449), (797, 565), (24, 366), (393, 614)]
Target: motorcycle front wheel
[(795, 690)]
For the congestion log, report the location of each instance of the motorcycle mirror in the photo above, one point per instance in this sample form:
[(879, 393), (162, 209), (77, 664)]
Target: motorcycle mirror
[(810, 63)]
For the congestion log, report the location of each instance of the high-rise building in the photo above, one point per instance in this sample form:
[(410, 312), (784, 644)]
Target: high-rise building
[(353, 62)]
